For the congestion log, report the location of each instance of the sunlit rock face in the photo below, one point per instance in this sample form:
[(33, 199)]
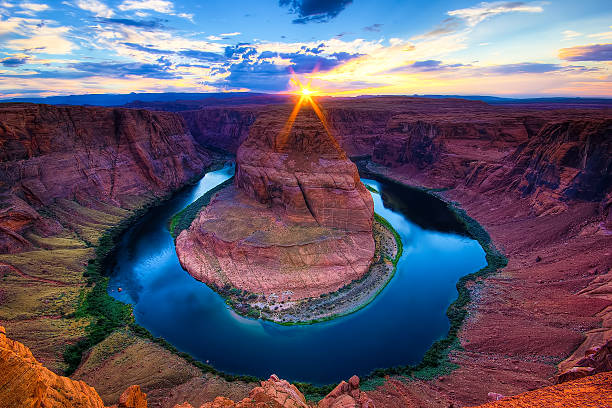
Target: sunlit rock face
[(297, 222), (304, 175)]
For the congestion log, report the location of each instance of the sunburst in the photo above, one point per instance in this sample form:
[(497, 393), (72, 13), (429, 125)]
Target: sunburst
[(306, 96)]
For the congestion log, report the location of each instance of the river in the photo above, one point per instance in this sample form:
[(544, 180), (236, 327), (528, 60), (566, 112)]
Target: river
[(395, 329)]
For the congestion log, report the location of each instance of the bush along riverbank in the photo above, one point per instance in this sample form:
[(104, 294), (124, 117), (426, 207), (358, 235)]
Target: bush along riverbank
[(105, 314)]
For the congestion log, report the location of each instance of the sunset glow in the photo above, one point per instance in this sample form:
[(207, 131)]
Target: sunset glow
[(342, 48)]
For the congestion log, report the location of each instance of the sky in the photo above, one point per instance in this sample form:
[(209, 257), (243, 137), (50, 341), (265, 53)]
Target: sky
[(340, 47)]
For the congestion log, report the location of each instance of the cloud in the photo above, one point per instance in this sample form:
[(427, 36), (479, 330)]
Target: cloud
[(230, 34), (202, 55), (133, 23), (119, 70), (43, 39), (424, 66), (34, 7), (602, 36), (317, 11), (524, 68), (448, 26), (96, 7), (569, 34), (479, 13), (160, 6), (593, 52), (13, 61), (375, 28), (472, 16)]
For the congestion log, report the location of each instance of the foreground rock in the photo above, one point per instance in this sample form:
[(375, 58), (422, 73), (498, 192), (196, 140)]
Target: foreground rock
[(594, 391), (297, 223), (24, 382), (277, 393)]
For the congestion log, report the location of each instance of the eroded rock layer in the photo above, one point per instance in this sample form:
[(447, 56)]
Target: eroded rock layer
[(297, 223), (88, 155), (25, 383)]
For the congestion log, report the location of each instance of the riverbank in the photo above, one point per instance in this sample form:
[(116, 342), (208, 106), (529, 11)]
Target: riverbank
[(348, 299)]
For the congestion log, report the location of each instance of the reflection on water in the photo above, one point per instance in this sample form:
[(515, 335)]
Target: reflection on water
[(396, 328)]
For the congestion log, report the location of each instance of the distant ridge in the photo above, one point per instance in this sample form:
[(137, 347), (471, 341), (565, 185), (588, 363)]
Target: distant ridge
[(241, 98)]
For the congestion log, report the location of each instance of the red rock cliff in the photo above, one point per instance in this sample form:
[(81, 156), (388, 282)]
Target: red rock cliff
[(296, 224), (86, 154)]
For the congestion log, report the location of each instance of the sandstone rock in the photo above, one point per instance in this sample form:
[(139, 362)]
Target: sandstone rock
[(86, 154), (24, 382), (593, 391), (347, 395), (596, 359), (297, 222), (304, 173), (133, 397)]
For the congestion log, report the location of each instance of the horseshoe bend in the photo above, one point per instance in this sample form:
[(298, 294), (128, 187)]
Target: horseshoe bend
[(295, 224), (293, 237)]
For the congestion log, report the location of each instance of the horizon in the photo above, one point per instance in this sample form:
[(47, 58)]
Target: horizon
[(517, 50)]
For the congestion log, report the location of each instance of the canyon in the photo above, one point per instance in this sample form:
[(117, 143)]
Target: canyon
[(537, 178), (296, 224)]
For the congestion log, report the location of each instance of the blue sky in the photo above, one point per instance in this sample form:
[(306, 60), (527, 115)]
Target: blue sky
[(344, 47)]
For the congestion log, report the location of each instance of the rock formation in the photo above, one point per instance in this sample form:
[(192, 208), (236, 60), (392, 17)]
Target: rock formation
[(89, 155), (593, 391), (25, 383), (297, 223)]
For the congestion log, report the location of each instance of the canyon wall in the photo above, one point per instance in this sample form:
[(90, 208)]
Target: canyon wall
[(92, 156)]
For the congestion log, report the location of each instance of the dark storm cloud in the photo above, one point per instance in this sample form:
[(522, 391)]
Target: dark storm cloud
[(13, 61), (314, 11), (375, 28), (594, 52), (133, 23)]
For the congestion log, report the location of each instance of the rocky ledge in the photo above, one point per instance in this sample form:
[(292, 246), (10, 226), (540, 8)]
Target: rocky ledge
[(296, 224)]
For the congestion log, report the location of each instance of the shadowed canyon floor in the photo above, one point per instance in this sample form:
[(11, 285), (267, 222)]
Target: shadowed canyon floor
[(537, 179)]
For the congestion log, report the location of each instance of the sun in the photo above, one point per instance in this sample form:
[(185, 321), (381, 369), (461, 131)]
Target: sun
[(306, 91)]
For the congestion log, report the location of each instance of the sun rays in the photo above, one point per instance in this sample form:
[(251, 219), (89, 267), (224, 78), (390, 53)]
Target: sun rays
[(306, 96)]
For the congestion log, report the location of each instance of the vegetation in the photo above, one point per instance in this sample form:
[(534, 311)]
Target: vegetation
[(435, 361), (107, 315), (183, 219), (104, 313)]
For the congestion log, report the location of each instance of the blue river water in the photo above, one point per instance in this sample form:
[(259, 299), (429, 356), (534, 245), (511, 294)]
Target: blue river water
[(395, 329)]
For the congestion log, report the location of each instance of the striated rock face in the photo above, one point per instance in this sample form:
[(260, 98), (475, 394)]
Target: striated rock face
[(24, 382), (273, 393), (87, 154), (305, 174), (296, 224), (220, 128), (569, 160)]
